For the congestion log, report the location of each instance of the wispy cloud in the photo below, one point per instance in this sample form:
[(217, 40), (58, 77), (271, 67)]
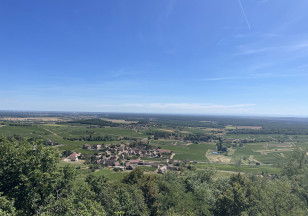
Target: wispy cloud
[(279, 52), (252, 51), (263, 1), (301, 45), (124, 72), (244, 13), (170, 8), (220, 78), (252, 76)]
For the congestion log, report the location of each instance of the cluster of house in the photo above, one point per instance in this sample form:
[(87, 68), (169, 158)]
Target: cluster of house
[(139, 126), (246, 140), (121, 157), (124, 151)]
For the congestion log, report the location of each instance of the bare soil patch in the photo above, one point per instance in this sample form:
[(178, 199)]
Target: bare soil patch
[(286, 145), (249, 127), (231, 151), (167, 130), (185, 132), (73, 162), (214, 129), (34, 119), (217, 158), (265, 152), (120, 121), (251, 158)]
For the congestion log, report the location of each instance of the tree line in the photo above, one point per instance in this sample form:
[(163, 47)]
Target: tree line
[(33, 183), (93, 121)]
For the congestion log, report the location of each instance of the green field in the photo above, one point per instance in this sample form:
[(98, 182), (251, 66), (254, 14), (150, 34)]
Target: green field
[(269, 149), (191, 152)]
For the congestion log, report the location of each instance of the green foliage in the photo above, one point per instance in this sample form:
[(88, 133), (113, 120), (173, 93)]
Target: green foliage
[(237, 198), (296, 164), (127, 199), (134, 177), (6, 207), (149, 187), (79, 202), (32, 182), (98, 122), (277, 199), (29, 173)]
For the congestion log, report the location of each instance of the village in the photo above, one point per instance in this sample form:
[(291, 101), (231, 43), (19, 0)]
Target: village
[(122, 157)]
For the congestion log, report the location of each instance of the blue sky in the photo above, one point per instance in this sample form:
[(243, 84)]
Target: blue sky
[(245, 57)]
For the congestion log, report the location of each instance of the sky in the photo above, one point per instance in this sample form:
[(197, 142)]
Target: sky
[(222, 57)]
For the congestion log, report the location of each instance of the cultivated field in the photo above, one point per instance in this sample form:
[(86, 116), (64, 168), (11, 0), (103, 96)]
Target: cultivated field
[(246, 148)]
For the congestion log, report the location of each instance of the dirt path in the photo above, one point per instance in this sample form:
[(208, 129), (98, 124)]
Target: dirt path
[(2, 126), (206, 155), (52, 132), (251, 158), (232, 172)]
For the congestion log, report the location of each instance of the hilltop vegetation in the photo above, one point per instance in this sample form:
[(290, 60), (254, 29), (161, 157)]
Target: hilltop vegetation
[(107, 164), (33, 183)]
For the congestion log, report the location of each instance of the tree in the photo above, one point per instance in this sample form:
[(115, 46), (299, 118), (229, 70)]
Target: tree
[(134, 176), (149, 188), (237, 198), (78, 202), (277, 198), (6, 207), (29, 173)]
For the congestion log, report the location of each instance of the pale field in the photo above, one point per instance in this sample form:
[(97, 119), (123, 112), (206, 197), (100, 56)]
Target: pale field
[(231, 151), (249, 127), (167, 130), (286, 145), (265, 152), (214, 129), (32, 119), (185, 132), (217, 158), (120, 121)]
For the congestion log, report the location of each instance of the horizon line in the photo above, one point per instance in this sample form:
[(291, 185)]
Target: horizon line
[(164, 113)]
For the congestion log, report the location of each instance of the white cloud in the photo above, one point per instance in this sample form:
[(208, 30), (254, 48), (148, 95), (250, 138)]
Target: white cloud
[(220, 78), (252, 51)]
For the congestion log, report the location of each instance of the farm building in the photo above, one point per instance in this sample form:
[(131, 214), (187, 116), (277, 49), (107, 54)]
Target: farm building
[(74, 156), (162, 169)]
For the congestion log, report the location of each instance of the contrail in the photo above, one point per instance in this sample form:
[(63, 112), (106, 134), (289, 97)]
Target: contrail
[(239, 1)]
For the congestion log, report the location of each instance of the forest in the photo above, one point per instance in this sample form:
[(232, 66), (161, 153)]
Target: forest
[(33, 183)]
